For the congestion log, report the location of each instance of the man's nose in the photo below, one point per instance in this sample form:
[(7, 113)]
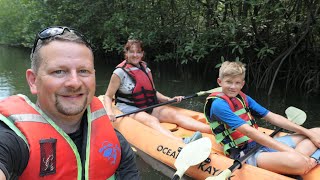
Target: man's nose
[(73, 80)]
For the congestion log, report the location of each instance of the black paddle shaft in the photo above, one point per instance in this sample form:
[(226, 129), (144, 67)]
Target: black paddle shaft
[(156, 105), (176, 177), (238, 162)]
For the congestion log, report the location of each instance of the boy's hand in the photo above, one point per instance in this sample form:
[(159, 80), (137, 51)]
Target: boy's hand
[(314, 137)]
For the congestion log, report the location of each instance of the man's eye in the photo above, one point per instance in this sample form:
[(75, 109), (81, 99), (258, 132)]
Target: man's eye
[(58, 72), (84, 72)]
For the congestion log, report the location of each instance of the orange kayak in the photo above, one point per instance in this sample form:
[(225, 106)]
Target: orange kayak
[(161, 152)]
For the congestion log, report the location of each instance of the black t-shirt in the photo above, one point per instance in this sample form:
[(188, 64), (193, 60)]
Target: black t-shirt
[(14, 153)]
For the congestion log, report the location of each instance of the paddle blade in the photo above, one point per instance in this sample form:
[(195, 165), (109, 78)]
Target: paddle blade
[(193, 153), (222, 176), (201, 93), (218, 89), (296, 115)]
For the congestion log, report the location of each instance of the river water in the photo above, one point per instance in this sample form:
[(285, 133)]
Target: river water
[(15, 61)]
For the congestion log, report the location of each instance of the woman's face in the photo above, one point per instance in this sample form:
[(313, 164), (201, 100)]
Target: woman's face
[(134, 54)]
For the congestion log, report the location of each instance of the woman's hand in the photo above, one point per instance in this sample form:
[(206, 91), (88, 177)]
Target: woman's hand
[(177, 98), (112, 117)]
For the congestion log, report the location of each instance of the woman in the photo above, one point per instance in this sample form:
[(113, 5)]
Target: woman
[(132, 85)]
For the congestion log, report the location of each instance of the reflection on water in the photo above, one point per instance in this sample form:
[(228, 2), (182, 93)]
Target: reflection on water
[(5, 86), (13, 65), (15, 61)]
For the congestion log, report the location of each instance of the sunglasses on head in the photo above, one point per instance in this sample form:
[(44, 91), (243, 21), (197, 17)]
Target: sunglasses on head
[(54, 31)]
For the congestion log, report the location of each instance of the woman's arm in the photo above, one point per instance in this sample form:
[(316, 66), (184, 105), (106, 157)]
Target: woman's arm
[(113, 86), (162, 98)]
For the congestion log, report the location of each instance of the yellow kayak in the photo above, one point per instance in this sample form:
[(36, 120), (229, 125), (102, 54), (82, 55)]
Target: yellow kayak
[(162, 150)]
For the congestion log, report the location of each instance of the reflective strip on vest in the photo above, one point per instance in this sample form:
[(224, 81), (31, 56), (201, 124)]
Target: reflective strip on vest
[(30, 117), (97, 114), (240, 111)]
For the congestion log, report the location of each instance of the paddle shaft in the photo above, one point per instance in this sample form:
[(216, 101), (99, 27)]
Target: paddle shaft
[(238, 162), (156, 105), (176, 177)]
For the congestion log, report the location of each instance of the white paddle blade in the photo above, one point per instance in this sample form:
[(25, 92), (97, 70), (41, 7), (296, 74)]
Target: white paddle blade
[(222, 176), (193, 153), (296, 115), (218, 89), (201, 93)]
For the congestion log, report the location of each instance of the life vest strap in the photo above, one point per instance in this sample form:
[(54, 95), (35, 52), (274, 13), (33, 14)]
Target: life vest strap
[(241, 111), (129, 96), (235, 143), (214, 125), (223, 135)]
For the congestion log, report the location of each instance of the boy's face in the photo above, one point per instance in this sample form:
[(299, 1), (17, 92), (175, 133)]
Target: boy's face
[(231, 85)]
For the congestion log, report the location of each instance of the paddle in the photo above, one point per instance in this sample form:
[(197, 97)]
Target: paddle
[(193, 153), (201, 93), (295, 115)]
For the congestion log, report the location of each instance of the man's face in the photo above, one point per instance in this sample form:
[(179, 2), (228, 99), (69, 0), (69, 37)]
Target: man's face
[(231, 85), (65, 82)]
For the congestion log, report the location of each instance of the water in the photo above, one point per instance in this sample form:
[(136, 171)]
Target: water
[(15, 61)]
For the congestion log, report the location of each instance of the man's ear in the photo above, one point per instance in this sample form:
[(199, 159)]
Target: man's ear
[(31, 78)]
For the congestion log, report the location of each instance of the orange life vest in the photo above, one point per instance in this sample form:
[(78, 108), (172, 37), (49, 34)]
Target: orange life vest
[(143, 93), (223, 133), (53, 154)]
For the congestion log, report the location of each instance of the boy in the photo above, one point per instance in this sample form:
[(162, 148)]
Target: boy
[(230, 114)]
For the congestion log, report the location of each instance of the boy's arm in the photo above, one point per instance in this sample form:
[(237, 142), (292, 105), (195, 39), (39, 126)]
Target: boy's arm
[(221, 110), (263, 139), (284, 123)]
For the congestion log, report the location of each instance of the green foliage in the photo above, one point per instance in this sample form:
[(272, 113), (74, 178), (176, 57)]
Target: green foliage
[(265, 51), (184, 31), (219, 64)]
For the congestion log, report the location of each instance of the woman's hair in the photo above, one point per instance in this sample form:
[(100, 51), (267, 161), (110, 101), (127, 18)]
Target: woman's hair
[(234, 68), (132, 42)]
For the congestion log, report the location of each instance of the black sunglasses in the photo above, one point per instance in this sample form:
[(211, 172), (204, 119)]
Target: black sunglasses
[(54, 31)]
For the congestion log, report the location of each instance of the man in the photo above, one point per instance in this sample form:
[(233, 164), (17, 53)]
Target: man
[(66, 134), (230, 114)]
